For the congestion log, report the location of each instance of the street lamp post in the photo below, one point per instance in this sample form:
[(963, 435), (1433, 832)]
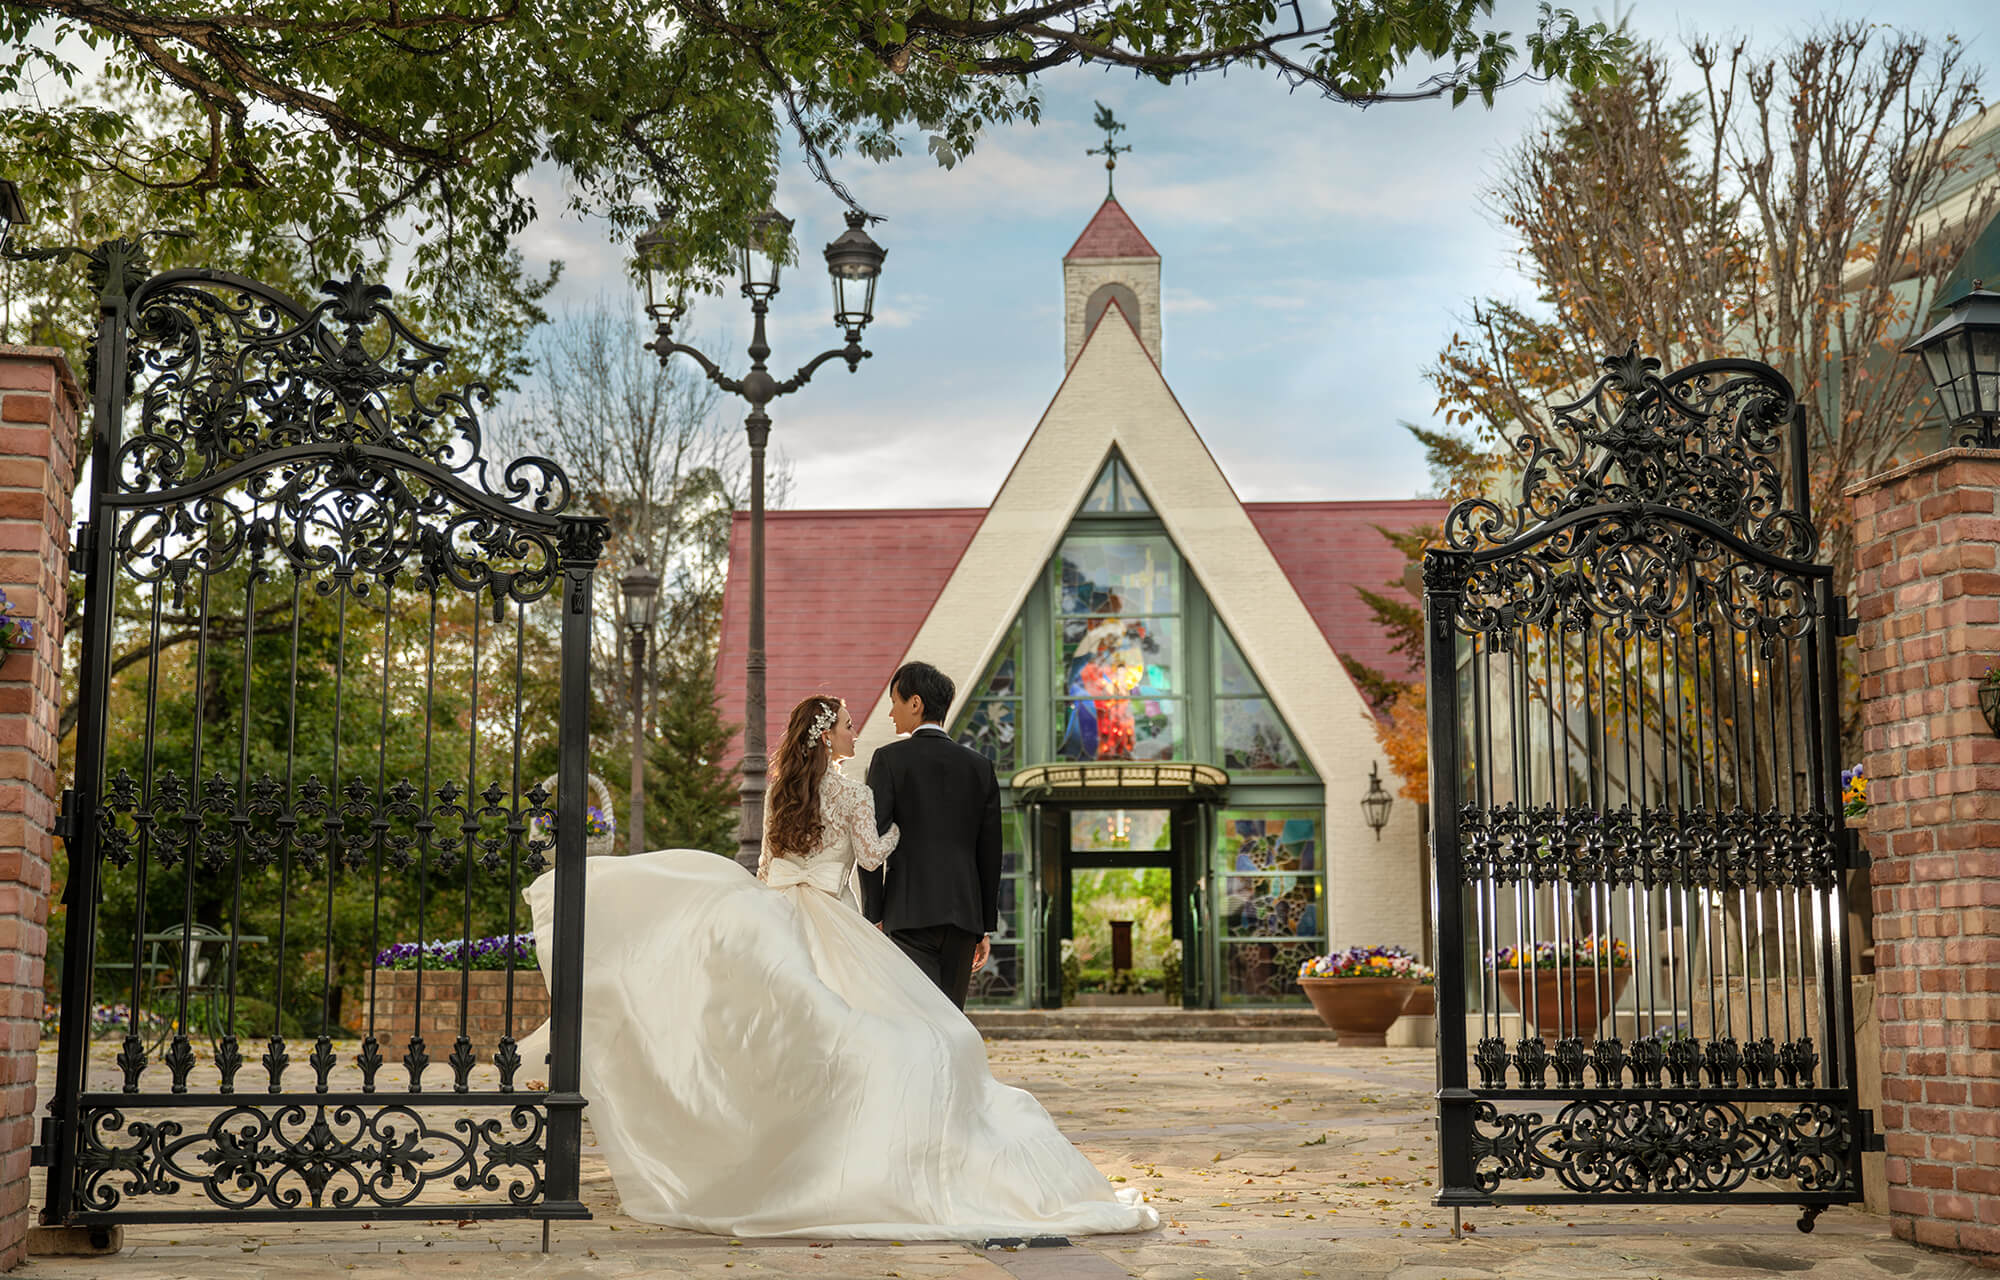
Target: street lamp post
[(854, 261), (640, 588)]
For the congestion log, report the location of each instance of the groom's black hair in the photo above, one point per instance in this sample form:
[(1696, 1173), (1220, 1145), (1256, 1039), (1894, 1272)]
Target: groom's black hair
[(922, 680)]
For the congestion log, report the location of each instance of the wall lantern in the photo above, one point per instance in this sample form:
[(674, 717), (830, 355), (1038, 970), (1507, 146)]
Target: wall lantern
[(1375, 805)]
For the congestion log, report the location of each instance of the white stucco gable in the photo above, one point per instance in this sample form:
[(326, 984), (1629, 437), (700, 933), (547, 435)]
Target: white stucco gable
[(1115, 396)]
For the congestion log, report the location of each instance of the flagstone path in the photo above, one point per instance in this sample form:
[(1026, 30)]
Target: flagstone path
[(1265, 1161)]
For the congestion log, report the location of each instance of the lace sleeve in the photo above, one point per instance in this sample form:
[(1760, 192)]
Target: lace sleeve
[(853, 807), (764, 847)]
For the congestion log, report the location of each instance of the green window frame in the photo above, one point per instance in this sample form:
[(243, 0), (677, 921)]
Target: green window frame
[(1005, 979), (990, 721), (1269, 876), (1250, 734)]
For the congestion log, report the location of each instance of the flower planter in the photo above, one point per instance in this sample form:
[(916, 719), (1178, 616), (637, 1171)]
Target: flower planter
[(1578, 993), (396, 1016), (1423, 1002), (1359, 1010)]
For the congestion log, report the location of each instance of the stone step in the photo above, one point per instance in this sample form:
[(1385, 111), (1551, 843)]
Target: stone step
[(1149, 1024)]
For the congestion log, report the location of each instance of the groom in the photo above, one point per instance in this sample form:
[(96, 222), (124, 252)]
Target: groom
[(938, 895)]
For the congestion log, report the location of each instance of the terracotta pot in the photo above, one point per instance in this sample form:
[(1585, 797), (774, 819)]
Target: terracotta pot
[(1359, 1010), (1423, 1002), (1577, 993)]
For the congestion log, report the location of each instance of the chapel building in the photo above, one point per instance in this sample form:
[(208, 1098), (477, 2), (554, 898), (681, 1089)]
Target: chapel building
[(1152, 665)]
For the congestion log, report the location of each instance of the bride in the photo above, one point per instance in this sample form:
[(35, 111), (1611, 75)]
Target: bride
[(761, 1061)]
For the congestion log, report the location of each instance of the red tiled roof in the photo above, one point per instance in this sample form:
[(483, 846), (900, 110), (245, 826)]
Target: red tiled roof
[(1111, 234), (844, 594), (1328, 549), (846, 591)]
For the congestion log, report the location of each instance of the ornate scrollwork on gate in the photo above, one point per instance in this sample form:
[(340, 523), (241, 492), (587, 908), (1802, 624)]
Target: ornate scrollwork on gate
[(1664, 1146), (1702, 848), (397, 823), (281, 1155), (319, 438), (1627, 488), (1705, 441), (1640, 865)]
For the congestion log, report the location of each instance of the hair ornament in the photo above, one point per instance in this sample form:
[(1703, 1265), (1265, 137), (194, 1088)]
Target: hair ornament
[(821, 723)]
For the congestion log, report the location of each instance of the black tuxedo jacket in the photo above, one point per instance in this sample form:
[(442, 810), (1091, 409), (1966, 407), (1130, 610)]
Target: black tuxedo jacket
[(946, 867)]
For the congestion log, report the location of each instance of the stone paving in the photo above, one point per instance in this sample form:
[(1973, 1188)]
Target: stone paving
[(1265, 1160)]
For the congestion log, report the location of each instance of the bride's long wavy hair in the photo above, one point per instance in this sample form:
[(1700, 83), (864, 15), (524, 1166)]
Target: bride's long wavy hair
[(797, 767)]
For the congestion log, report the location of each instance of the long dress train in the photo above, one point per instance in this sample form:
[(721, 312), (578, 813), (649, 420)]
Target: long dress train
[(761, 1061)]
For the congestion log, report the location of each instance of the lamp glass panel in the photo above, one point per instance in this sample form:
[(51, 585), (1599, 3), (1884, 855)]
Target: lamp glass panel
[(765, 248), (1938, 367), (1940, 371), (1957, 358), (1985, 351), (1987, 390), (853, 297), (1377, 803), (1985, 344)]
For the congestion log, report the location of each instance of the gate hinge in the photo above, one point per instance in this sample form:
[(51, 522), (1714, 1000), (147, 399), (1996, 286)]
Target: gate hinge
[(66, 817), (85, 549), (1871, 1137), (1854, 855), (1844, 623), (38, 1154)]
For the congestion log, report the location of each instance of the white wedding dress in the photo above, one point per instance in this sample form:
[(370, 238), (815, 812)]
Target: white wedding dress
[(759, 1060)]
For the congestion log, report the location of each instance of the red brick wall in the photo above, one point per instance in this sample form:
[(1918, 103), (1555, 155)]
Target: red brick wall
[(1928, 599), (486, 1012), (39, 405)]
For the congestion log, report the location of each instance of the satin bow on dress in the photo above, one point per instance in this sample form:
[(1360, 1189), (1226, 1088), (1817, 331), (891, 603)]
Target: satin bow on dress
[(829, 876)]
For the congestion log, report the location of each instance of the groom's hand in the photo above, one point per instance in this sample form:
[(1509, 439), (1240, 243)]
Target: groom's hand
[(980, 952)]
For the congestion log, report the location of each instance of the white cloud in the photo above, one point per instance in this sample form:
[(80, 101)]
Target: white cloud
[(1178, 302)]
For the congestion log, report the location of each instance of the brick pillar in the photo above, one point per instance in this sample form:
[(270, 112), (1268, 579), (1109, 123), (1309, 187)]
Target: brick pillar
[(39, 405), (1928, 554)]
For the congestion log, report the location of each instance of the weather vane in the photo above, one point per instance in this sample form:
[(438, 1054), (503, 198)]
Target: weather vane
[(1112, 128)]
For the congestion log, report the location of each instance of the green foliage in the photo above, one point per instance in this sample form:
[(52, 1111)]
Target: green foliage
[(1378, 689), (690, 797), (343, 124), (369, 684), (82, 189), (1127, 982), (1143, 895)]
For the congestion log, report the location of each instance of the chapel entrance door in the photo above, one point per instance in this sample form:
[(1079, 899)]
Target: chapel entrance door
[(1136, 866), (1106, 814)]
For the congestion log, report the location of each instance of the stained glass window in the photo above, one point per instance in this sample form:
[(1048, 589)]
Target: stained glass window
[(1116, 492), (1119, 830), (1118, 649), (1250, 735), (1270, 868), (992, 714)]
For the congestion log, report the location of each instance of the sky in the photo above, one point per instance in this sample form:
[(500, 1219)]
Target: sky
[(1315, 259)]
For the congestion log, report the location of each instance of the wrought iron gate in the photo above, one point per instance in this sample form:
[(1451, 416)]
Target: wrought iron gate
[(329, 652), (1637, 843)]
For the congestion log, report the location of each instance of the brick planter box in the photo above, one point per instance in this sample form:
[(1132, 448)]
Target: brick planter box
[(395, 1009)]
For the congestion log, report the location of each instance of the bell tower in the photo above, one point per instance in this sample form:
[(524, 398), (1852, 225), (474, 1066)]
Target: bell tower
[(1111, 262)]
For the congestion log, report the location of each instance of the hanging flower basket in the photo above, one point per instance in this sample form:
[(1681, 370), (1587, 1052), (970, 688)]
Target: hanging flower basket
[(600, 828)]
